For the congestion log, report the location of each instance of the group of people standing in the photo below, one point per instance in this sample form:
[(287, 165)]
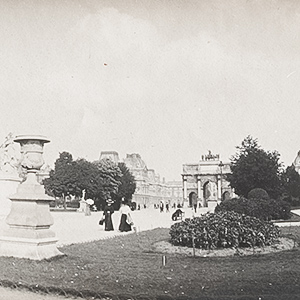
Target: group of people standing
[(166, 206), (162, 206), (126, 221)]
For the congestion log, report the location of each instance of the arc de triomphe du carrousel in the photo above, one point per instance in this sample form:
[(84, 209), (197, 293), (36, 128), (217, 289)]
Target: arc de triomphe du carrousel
[(205, 182), (28, 234)]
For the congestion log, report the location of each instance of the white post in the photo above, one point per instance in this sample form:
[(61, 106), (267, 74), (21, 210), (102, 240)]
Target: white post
[(184, 187), (199, 188), (219, 189)]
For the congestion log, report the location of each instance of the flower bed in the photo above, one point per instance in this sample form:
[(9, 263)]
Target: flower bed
[(223, 230)]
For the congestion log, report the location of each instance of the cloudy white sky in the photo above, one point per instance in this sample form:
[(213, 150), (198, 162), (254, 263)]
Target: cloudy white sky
[(167, 79)]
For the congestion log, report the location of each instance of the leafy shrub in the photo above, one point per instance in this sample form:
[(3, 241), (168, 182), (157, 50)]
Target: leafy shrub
[(280, 210), (222, 230), (258, 193), (259, 208), (293, 201), (73, 204), (240, 205)]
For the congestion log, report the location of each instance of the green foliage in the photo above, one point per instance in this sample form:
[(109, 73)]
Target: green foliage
[(109, 176), (252, 167), (258, 193), (100, 179), (127, 187), (63, 179), (225, 229), (88, 178), (291, 185), (239, 205), (260, 208), (281, 210), (293, 201)]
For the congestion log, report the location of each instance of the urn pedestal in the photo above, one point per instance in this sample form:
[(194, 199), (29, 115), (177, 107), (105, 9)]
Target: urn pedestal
[(8, 186), (211, 205), (29, 234)]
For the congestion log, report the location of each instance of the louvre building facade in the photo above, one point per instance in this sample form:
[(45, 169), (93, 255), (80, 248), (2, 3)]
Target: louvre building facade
[(150, 188)]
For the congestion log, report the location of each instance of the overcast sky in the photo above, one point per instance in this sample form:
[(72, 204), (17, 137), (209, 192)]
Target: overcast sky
[(167, 79)]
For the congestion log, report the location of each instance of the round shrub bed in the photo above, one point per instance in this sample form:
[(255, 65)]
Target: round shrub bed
[(223, 230)]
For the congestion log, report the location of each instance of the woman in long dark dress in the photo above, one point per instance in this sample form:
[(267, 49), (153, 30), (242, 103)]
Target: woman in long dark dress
[(108, 211), (126, 220)]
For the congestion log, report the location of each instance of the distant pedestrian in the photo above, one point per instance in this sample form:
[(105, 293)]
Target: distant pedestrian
[(88, 205), (194, 203), (178, 214), (161, 206), (108, 211), (126, 220), (87, 209), (167, 207)]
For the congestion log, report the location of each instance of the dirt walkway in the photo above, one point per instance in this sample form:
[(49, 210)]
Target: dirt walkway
[(11, 294)]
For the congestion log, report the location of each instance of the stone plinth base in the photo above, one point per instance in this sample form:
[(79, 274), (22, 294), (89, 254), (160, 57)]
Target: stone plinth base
[(211, 205), (36, 249), (8, 186), (82, 207), (29, 234)]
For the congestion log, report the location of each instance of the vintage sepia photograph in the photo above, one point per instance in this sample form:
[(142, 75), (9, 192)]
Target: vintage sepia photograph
[(149, 149)]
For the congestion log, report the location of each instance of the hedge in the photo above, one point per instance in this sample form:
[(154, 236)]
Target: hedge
[(258, 193), (260, 208)]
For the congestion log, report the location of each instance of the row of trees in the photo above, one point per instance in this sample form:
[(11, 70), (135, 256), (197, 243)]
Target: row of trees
[(252, 167), (101, 180)]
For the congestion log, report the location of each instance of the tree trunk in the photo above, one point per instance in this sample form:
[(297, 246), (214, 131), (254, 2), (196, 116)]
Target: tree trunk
[(64, 202)]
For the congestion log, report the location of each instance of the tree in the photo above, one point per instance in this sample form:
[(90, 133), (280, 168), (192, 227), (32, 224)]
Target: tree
[(108, 179), (291, 183), (252, 167), (87, 178), (128, 184), (63, 179), (100, 179)]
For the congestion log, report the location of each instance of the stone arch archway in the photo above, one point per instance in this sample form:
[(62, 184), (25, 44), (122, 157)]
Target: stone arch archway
[(225, 196), (192, 198), (209, 192), (206, 193)]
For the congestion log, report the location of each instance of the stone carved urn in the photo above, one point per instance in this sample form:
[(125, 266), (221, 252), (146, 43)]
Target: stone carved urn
[(31, 152), (29, 234)]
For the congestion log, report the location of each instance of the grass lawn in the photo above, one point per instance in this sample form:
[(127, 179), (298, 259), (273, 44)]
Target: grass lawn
[(126, 265)]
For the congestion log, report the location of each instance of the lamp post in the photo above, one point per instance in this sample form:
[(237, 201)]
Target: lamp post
[(221, 165)]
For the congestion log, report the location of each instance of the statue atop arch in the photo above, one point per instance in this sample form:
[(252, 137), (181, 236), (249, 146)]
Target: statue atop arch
[(210, 156)]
